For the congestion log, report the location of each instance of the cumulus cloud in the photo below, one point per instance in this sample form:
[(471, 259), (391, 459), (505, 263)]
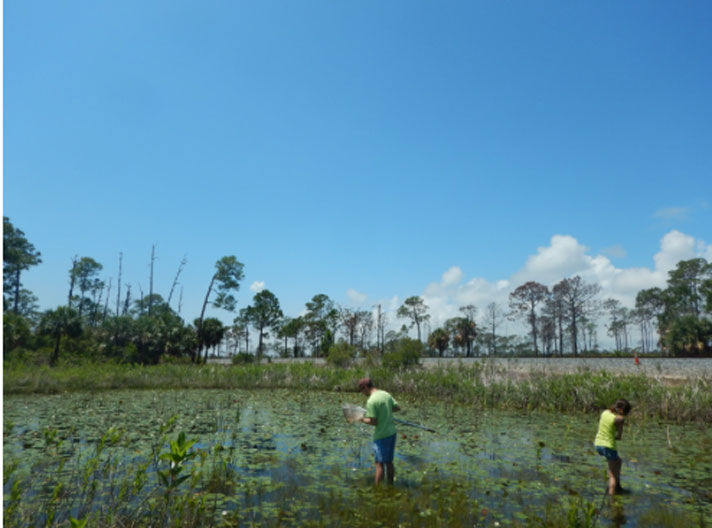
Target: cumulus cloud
[(563, 257), (355, 297), (257, 286), (452, 276)]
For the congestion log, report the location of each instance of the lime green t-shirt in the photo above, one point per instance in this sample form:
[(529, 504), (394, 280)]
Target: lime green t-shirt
[(380, 406), (606, 436)]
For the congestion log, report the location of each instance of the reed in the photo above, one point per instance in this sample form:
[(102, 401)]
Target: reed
[(479, 384)]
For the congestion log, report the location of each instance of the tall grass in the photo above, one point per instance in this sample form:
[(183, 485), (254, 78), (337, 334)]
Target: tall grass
[(481, 384)]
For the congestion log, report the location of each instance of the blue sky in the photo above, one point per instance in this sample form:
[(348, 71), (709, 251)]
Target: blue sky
[(368, 151)]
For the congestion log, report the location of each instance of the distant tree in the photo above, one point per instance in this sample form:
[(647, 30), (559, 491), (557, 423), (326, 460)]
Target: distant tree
[(63, 321), (140, 306), (547, 332), (380, 322), (415, 309), (213, 333), (682, 308), (524, 302), (16, 331), (84, 274), (355, 324), (18, 255), (264, 314), (225, 280), (321, 318), (578, 301), (689, 336), (493, 317), (439, 340), (463, 332), (686, 284), (618, 326), (242, 326), (292, 329)]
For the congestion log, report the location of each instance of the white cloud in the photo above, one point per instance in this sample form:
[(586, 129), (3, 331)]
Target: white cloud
[(452, 276), (257, 286), (563, 257), (355, 297), (674, 247)]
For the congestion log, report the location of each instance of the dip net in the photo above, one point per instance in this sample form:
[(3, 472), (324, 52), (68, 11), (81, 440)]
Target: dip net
[(353, 413)]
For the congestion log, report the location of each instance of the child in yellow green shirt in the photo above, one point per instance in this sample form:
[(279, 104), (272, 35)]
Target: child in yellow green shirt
[(610, 429)]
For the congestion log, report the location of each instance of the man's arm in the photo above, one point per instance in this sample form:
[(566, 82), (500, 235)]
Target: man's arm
[(370, 421), (396, 408)]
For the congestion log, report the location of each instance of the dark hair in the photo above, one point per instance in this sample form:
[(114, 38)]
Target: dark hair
[(364, 383), (622, 405)]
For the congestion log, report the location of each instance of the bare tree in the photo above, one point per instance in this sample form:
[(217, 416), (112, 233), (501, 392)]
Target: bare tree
[(150, 282), (175, 281), (118, 286), (493, 316)]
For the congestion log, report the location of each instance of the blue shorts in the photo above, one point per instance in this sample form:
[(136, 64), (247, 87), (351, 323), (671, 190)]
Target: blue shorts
[(384, 449), (608, 453)]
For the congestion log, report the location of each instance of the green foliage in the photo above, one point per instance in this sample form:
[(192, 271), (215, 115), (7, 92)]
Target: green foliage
[(18, 255), (179, 453), (341, 354), (63, 321), (405, 354), (228, 274), (243, 358), (683, 309), (439, 339), (415, 309), (17, 331), (320, 320), (689, 336), (264, 314)]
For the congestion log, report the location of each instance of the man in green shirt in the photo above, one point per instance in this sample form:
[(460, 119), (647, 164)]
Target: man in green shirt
[(379, 413)]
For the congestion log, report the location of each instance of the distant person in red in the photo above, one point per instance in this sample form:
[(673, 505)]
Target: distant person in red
[(637, 361)]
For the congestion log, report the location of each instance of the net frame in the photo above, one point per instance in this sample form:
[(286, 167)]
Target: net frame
[(353, 413)]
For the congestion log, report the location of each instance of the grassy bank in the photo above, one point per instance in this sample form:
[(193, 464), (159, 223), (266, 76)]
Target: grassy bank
[(481, 385)]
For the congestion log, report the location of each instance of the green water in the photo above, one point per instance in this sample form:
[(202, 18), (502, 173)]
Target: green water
[(292, 455)]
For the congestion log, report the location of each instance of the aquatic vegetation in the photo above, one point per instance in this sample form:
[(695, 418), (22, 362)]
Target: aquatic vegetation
[(480, 384), (288, 458)]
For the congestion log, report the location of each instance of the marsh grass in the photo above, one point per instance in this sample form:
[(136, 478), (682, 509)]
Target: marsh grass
[(480, 384)]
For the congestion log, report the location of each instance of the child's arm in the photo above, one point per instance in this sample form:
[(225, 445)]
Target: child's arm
[(619, 427)]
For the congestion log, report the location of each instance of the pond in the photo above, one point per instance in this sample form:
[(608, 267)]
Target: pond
[(289, 457)]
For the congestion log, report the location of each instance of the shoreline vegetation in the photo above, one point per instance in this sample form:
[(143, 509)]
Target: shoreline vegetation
[(482, 384)]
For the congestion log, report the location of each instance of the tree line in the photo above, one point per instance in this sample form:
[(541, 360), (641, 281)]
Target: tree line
[(110, 320)]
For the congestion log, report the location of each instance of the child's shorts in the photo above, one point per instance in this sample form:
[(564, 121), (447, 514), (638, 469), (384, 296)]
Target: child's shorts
[(384, 449), (608, 453)]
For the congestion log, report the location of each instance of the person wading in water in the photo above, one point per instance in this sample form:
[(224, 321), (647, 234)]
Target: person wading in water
[(610, 429), (379, 413)]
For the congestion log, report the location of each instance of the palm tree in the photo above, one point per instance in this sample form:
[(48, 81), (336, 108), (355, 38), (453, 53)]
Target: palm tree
[(57, 323), (212, 334), (439, 339)]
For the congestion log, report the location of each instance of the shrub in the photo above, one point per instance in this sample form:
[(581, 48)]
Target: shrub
[(406, 353), (341, 355), (242, 358)]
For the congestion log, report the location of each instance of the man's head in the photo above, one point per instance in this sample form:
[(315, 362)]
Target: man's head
[(365, 385)]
